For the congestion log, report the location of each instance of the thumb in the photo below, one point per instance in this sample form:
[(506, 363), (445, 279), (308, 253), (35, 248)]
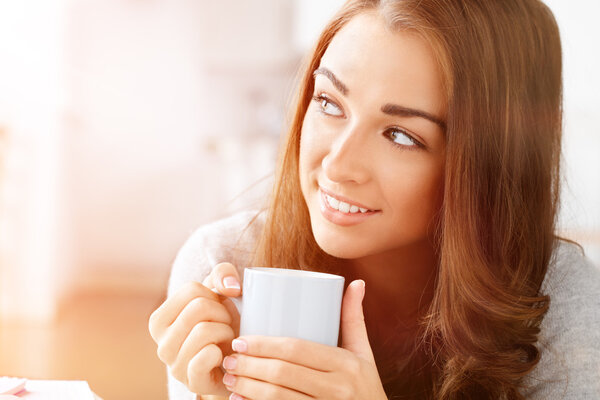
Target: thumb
[(354, 330)]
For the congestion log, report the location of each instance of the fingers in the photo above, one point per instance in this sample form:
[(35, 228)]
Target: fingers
[(194, 328), (198, 310), (202, 335), (254, 389), (225, 278), (298, 351), (166, 314), (202, 376), (281, 373)]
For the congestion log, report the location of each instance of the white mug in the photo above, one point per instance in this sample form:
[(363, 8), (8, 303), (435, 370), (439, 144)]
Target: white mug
[(291, 303)]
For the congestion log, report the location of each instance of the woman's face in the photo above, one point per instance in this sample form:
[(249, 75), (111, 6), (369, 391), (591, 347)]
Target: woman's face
[(373, 138)]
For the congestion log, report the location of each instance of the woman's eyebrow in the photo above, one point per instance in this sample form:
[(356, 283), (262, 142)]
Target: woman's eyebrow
[(336, 82), (390, 109), (394, 109)]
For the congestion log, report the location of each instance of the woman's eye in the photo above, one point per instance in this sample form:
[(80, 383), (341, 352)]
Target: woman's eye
[(327, 106), (401, 138)]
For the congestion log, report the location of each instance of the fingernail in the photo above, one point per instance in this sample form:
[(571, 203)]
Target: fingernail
[(231, 283), (235, 396), (239, 345), (229, 363), (228, 380)]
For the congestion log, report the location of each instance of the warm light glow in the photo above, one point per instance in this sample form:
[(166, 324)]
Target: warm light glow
[(124, 125)]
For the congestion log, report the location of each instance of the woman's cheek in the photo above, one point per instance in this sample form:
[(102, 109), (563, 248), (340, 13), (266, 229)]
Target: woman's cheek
[(313, 142)]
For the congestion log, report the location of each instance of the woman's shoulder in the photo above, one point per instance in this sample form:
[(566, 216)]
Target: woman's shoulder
[(242, 226), (231, 239), (573, 284), (571, 275), (569, 367)]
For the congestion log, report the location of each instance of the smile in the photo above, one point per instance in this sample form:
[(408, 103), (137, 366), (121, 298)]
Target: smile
[(342, 212), (344, 207)]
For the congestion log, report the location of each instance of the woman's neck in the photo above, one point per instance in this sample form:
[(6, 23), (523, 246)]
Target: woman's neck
[(399, 283)]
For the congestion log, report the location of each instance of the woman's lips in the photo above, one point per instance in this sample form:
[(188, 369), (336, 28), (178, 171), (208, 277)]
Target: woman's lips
[(340, 218)]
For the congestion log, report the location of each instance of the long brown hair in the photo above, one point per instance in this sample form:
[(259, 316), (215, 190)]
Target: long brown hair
[(501, 64)]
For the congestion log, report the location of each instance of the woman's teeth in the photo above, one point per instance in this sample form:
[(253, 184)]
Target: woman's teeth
[(343, 207)]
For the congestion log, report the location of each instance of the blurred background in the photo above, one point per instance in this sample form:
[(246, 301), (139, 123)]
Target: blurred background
[(126, 124)]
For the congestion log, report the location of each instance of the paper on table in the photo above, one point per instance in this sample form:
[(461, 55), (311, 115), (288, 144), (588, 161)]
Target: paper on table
[(56, 390), (10, 385)]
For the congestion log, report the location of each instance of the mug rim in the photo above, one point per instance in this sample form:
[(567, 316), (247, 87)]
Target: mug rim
[(301, 273)]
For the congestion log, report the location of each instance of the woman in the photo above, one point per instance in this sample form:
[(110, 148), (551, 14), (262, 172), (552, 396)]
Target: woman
[(422, 159)]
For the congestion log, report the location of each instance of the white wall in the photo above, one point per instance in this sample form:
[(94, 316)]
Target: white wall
[(172, 115), (31, 104)]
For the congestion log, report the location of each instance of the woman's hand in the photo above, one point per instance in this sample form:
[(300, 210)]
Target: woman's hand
[(269, 368), (194, 328)]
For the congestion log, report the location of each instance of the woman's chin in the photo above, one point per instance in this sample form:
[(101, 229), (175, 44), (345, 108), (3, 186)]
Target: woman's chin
[(340, 249)]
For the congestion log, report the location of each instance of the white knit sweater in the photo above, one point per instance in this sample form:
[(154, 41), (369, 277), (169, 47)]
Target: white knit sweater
[(570, 332)]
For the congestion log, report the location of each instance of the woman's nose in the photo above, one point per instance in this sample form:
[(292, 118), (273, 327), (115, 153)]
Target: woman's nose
[(347, 159)]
